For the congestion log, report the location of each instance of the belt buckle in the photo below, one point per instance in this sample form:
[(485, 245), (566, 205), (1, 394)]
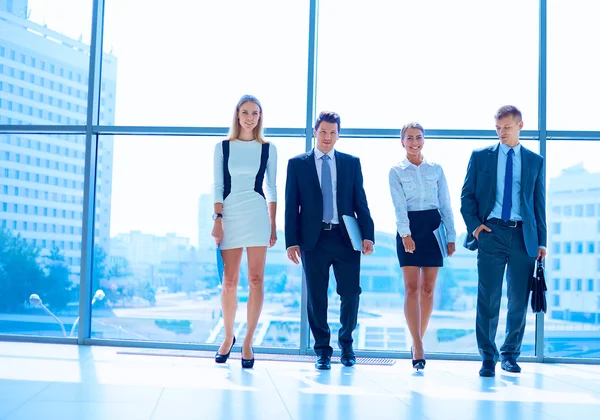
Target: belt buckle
[(328, 227), (515, 222)]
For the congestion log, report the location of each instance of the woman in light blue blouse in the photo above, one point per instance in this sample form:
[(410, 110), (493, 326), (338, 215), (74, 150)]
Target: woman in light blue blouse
[(422, 202)]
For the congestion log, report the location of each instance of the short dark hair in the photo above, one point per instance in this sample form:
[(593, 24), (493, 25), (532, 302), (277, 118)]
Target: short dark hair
[(411, 125), (507, 110), (328, 116)]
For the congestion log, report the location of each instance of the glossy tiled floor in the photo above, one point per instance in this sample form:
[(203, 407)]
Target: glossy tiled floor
[(48, 382)]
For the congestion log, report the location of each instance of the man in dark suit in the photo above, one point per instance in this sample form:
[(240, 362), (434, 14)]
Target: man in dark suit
[(503, 203), (322, 186)]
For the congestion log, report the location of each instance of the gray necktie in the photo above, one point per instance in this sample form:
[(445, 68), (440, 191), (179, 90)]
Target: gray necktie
[(327, 190)]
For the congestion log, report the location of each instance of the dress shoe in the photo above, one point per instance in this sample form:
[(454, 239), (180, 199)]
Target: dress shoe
[(488, 369), (323, 362), (248, 363), (510, 365), (418, 364), (348, 358), (222, 358)]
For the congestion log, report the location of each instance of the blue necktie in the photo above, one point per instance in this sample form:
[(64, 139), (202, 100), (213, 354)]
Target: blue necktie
[(327, 190), (508, 184)]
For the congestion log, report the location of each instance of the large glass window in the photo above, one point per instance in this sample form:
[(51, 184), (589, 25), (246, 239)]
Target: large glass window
[(76, 24), (159, 268), (45, 60), (41, 205), (204, 57), (382, 325), (155, 272), (572, 324), (390, 62), (573, 65)]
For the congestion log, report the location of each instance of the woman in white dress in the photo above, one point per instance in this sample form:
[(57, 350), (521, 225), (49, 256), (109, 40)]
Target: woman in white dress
[(422, 203), (244, 217)]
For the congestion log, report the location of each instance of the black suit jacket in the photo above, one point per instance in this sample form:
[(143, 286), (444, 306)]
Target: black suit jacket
[(304, 200), (479, 195)]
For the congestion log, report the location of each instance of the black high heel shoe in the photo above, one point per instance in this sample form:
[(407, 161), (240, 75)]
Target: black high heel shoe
[(247, 363), (418, 364), (222, 358)]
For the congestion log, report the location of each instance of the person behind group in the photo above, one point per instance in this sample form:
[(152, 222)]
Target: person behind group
[(503, 203), (422, 202), (322, 186), (244, 217)]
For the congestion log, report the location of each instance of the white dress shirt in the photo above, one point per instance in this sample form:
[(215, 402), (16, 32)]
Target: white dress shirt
[(319, 162), (417, 188)]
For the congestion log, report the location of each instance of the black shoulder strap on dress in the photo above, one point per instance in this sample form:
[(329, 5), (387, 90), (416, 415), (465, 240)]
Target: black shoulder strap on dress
[(260, 176), (226, 174)]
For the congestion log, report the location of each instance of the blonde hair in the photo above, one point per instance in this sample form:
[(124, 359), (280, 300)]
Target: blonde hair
[(258, 131)]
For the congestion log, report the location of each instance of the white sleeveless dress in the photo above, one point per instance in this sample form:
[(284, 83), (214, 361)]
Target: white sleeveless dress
[(246, 220)]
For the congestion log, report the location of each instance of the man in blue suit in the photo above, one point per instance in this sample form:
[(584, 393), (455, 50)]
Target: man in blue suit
[(503, 203), (322, 186)]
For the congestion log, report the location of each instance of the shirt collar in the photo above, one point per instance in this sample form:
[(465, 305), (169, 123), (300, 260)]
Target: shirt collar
[(505, 148), (406, 163), (319, 154)]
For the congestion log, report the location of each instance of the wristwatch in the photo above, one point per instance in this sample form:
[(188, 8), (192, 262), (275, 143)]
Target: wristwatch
[(406, 235), (217, 215)]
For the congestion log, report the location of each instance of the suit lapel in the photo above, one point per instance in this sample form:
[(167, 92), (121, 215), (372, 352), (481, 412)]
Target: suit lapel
[(492, 163), (339, 167), (525, 172), (338, 163), (312, 169)]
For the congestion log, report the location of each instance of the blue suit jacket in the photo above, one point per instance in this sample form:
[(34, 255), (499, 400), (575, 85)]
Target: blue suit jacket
[(479, 195), (304, 200)]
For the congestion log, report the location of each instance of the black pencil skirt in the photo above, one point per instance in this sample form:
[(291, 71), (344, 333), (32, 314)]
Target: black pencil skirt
[(427, 250)]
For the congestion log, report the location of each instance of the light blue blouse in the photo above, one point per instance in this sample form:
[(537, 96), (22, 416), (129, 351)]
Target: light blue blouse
[(417, 188)]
